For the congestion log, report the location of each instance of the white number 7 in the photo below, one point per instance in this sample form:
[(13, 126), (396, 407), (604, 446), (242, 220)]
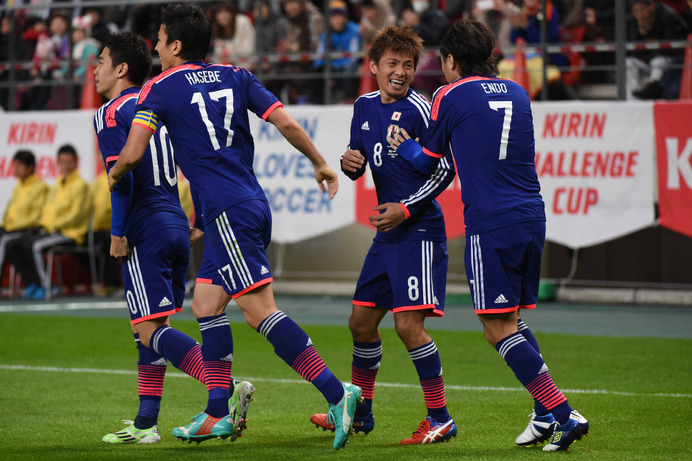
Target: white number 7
[(507, 106)]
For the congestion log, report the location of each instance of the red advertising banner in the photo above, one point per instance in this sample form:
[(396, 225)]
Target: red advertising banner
[(674, 157)]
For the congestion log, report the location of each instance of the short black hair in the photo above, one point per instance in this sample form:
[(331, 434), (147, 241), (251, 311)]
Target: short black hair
[(25, 157), (188, 23), (471, 43), (67, 149), (130, 49)]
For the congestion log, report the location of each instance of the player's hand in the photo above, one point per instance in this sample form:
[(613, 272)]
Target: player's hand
[(112, 180), (324, 173), (195, 235), (119, 247), (352, 160), (392, 215), (396, 139)]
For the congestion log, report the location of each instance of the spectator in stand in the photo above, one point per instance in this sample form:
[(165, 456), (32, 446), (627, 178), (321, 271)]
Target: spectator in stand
[(100, 28), (375, 16), (5, 27), (305, 24), (527, 24), (599, 15), (112, 281), (271, 29), (652, 74), (25, 207), (496, 15), (345, 37), (65, 221), (50, 50), (233, 36), (430, 24), (84, 49)]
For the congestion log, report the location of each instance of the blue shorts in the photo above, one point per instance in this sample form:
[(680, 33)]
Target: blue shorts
[(404, 276), (503, 267), (154, 274), (235, 245)]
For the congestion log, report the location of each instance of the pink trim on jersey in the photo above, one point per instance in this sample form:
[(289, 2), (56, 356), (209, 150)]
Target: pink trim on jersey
[(406, 212), (112, 158), (431, 153), (200, 280), (115, 106), (157, 315), (440, 94), (147, 86), (271, 109), (363, 303), (435, 312), (252, 287)]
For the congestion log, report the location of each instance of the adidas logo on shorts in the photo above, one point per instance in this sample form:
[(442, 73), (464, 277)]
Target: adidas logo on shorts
[(365, 126), (501, 299), (264, 270), (165, 302)]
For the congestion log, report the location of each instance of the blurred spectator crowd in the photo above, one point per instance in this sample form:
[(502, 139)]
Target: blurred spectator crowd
[(284, 43)]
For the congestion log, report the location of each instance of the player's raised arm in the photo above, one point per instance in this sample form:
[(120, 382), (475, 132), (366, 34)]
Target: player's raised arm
[(296, 135), (136, 145)]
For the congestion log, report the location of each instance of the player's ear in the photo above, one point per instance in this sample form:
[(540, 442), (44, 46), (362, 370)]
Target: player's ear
[(177, 47), (123, 69), (373, 67)]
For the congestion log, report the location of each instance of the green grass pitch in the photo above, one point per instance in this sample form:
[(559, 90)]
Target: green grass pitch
[(56, 404)]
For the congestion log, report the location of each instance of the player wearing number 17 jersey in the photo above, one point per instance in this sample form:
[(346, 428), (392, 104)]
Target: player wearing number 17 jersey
[(205, 108), (149, 231), (488, 124), (405, 270)]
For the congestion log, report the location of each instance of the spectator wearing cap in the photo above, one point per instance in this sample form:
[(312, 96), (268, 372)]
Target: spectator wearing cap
[(652, 74), (23, 212), (345, 36)]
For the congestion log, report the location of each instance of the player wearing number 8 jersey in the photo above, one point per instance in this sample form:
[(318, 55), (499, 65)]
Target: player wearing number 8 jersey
[(205, 108), (405, 270), (488, 124), (149, 231)]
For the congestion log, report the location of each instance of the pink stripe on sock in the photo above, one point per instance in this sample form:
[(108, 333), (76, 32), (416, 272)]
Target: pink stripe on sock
[(217, 373), (309, 364), (193, 363), (544, 390), (151, 379), (365, 379), (434, 392)]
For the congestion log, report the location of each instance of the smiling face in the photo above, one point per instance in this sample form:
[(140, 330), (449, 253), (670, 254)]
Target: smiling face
[(394, 74), (167, 52), (106, 76)]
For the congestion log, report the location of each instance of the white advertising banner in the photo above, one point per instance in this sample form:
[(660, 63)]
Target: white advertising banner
[(43, 133), (299, 209), (596, 165)]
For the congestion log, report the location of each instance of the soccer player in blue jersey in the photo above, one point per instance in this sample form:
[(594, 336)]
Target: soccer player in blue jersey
[(405, 270), (150, 232), (488, 123), (205, 108)]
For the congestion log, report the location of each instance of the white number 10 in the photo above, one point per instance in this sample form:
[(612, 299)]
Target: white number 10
[(504, 139)]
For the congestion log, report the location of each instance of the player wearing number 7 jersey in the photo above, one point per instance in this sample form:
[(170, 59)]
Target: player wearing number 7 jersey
[(488, 124), (149, 231), (205, 108)]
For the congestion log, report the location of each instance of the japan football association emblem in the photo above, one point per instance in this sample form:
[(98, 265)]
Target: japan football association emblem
[(396, 116), (392, 130)]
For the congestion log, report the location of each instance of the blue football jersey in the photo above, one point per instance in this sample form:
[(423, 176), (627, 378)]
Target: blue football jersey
[(396, 180), (205, 107), (154, 203), (489, 125)]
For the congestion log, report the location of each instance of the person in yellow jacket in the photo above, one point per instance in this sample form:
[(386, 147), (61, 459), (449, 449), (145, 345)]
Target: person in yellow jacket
[(65, 220), (25, 207), (112, 280)]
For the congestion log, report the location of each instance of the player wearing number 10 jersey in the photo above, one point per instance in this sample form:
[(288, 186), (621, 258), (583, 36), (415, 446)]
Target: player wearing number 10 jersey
[(205, 108), (149, 230), (488, 124)]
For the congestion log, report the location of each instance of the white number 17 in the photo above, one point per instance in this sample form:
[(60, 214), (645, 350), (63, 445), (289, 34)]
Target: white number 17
[(504, 139)]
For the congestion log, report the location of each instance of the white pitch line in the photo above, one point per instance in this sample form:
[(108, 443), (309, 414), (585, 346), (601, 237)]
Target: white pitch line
[(379, 384)]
